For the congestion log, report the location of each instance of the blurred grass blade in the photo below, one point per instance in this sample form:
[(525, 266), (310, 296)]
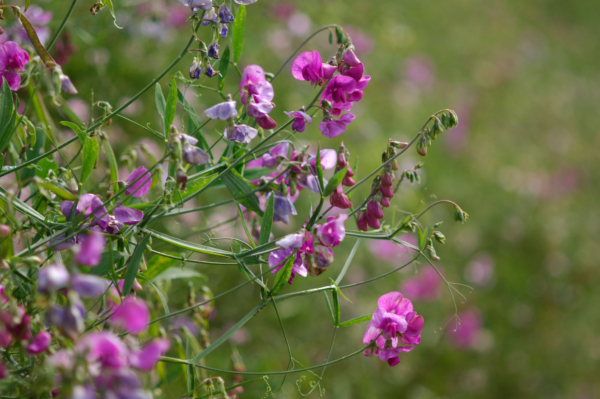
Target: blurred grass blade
[(284, 274), (161, 296), (239, 187), (160, 102), (229, 333), (319, 169), (112, 162), (348, 262), (79, 131), (90, 156), (159, 264), (238, 33), (190, 245), (104, 267), (351, 322), (6, 115), (171, 106), (267, 222), (223, 66), (335, 181), (134, 264)]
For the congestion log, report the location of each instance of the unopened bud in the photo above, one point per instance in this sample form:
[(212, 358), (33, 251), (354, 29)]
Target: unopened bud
[(460, 215), (422, 145), (326, 105), (66, 85), (181, 178), (439, 236), (398, 144), (4, 230)]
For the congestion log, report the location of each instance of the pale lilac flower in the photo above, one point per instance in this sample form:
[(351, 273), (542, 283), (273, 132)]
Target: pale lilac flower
[(90, 249), (39, 343), (240, 133), (196, 5), (331, 127), (328, 160), (283, 208), (210, 16), (147, 358), (224, 30), (294, 240), (140, 187), (300, 120), (225, 110), (333, 232), (465, 333), (275, 155), (132, 315), (277, 260), (425, 286), (12, 60), (53, 277), (194, 155), (88, 285), (128, 216)]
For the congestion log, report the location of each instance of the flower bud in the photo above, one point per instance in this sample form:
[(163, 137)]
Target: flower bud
[(398, 144), (223, 31), (439, 236), (339, 199), (387, 178), (374, 209), (213, 50), (4, 230), (66, 85), (453, 118), (210, 72), (348, 181), (196, 68), (361, 221), (422, 146), (460, 215), (326, 105), (387, 191), (372, 222), (385, 202)]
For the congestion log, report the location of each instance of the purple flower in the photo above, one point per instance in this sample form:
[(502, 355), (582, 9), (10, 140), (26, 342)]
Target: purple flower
[(328, 160), (147, 358), (196, 68), (132, 315), (39, 343), (278, 258), (225, 15), (68, 319), (138, 182), (275, 154), (12, 59), (426, 286), (257, 95), (240, 133), (225, 110), (333, 232), (294, 240), (338, 88), (104, 348), (196, 5), (53, 277), (213, 50), (331, 127), (300, 120), (466, 333), (283, 208), (194, 155), (223, 31), (210, 72), (309, 66), (88, 285), (394, 323), (210, 16), (90, 249), (128, 216)]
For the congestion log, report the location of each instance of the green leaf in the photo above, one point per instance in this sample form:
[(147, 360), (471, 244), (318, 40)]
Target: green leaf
[(27, 2), (223, 66), (238, 33), (315, 215), (90, 156), (245, 226), (177, 272), (284, 274), (158, 264), (241, 191), (78, 130), (348, 262), (161, 104), (58, 190), (351, 322), (171, 106), (134, 264), (267, 222), (335, 181), (104, 266), (203, 249), (163, 299), (6, 116), (423, 238), (45, 166), (111, 8), (319, 170), (112, 163), (195, 186), (336, 309)]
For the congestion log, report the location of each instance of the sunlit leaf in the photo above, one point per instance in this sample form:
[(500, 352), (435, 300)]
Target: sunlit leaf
[(238, 33)]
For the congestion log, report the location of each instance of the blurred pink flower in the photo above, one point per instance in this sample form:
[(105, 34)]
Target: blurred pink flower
[(387, 250), (457, 140), (481, 270), (466, 333), (425, 286), (419, 71), (361, 41)]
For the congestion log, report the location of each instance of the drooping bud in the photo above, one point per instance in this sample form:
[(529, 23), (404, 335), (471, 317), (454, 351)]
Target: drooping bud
[(210, 72), (213, 50), (439, 236), (196, 68), (422, 145), (225, 15), (385, 202), (398, 144), (66, 85), (460, 215), (339, 199), (387, 178), (371, 221), (374, 209), (361, 221), (223, 31), (387, 191)]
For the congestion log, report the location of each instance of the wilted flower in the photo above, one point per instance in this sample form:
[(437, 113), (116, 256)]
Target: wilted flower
[(196, 68), (194, 155)]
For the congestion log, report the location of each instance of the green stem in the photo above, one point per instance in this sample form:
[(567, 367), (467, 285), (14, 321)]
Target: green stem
[(62, 25)]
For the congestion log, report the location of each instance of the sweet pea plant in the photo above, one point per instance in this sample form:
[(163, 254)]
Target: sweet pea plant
[(82, 314)]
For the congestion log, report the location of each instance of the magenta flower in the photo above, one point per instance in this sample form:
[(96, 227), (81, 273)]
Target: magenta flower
[(333, 232), (240, 133), (128, 216), (39, 343), (466, 333), (275, 155), (338, 88), (308, 66), (147, 358), (104, 348), (12, 60), (257, 95), (425, 286), (53, 277), (138, 182), (3, 298), (394, 325), (90, 249), (278, 258), (225, 110), (132, 315), (300, 120), (331, 127), (88, 204)]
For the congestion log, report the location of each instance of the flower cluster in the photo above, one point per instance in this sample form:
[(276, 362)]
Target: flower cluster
[(338, 198), (394, 328), (311, 250), (185, 150), (12, 60), (257, 95)]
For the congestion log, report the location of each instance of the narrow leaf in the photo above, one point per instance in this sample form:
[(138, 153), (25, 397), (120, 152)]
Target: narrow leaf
[(158, 264), (175, 273), (238, 33), (78, 130), (6, 114), (336, 309), (284, 274), (351, 322), (112, 162), (241, 191), (134, 264), (111, 8), (105, 265), (160, 102), (190, 245), (319, 170), (59, 190), (163, 299), (335, 181), (422, 238), (223, 66), (171, 107), (348, 262), (90, 156), (267, 222)]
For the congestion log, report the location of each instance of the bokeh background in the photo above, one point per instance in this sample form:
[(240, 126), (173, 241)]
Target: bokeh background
[(523, 77)]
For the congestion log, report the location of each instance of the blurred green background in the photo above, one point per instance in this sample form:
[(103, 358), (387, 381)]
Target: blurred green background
[(523, 77)]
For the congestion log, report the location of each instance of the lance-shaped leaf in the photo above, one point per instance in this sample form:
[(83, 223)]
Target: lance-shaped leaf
[(158, 264), (134, 264), (90, 156), (223, 66), (57, 189), (336, 309), (112, 162), (238, 33), (171, 107), (79, 131), (319, 169), (357, 320), (7, 116), (111, 8), (284, 274), (241, 191), (335, 181), (267, 222), (190, 245), (160, 101)]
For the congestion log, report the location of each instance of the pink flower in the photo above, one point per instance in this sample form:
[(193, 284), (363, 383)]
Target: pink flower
[(257, 95), (147, 358), (105, 348), (333, 232), (132, 315), (426, 286), (39, 343), (138, 182), (465, 334), (308, 66), (90, 249), (12, 60), (338, 88), (300, 120), (331, 127)]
